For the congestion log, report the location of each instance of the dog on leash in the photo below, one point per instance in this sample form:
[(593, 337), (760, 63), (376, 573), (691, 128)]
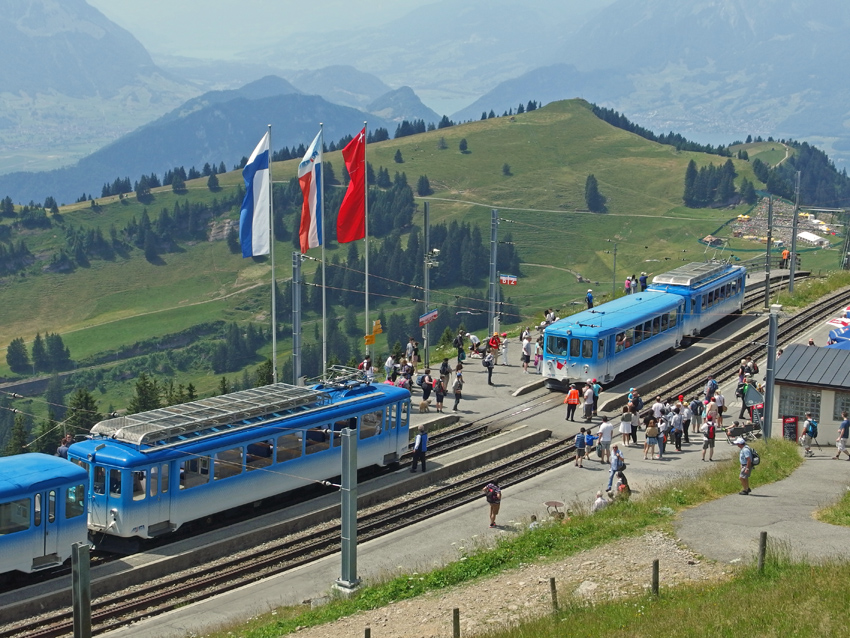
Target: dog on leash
[(424, 406)]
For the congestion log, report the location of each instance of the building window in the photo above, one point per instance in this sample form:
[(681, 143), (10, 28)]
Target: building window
[(842, 404), (794, 401)]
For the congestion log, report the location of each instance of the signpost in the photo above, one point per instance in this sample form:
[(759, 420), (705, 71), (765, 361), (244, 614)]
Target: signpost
[(427, 318), (509, 280)]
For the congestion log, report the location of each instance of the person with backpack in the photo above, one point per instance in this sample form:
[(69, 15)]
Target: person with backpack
[(710, 387), (581, 447), (589, 298), (427, 384), (741, 392), (493, 494), (810, 431), (489, 363), (445, 372), (841, 441), (709, 434), (459, 344), (618, 464), (440, 392), (747, 459), (597, 390)]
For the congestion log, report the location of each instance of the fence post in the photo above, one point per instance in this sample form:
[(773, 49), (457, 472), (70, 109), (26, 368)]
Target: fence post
[(762, 550), (456, 622), (655, 577), (367, 633), (554, 590)]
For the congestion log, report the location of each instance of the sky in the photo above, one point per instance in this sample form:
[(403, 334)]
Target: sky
[(219, 29)]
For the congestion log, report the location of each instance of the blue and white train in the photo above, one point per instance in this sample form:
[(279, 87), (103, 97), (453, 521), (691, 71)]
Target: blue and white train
[(42, 511), (604, 341), (152, 472)]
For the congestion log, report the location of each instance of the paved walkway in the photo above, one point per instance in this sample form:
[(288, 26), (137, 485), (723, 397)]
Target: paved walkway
[(729, 528)]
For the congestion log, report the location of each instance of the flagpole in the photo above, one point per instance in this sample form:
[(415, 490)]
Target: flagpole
[(321, 196), (366, 237), (271, 254)]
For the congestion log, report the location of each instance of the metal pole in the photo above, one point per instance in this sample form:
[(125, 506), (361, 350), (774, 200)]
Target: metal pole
[(767, 252), (494, 243), (614, 276), (296, 317), (793, 266), (427, 266), (770, 365), (366, 229), (271, 255), (81, 590), (348, 493), (323, 239)]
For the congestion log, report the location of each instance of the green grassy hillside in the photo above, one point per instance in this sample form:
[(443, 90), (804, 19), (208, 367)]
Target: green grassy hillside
[(550, 151)]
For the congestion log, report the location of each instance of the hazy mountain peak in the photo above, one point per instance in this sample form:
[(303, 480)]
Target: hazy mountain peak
[(402, 104)]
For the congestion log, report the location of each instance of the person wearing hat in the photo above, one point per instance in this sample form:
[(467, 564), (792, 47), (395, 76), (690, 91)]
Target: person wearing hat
[(709, 432), (597, 389), (642, 281), (572, 400), (589, 298), (495, 345), (742, 390), (420, 446), (474, 342), (457, 386), (505, 349), (746, 459)]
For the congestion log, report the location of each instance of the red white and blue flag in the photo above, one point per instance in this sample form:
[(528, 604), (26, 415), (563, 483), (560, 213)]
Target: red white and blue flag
[(510, 280), (254, 220), (310, 179)]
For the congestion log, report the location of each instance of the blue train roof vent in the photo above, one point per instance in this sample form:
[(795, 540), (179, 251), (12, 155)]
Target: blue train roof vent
[(177, 424)]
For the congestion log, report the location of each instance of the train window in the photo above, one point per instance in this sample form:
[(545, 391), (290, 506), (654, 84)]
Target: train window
[(164, 479), (194, 472), (672, 317), (390, 416), (340, 425), (99, 486), (317, 439), (82, 464), (575, 347), (370, 424), (227, 463), (620, 340), (75, 501), (288, 447), (734, 286), (260, 454), (37, 512), (405, 413), (710, 301), (139, 482), (638, 333), (664, 322), (703, 302), (15, 516), (586, 348), (557, 346), (51, 506), (115, 482), (153, 483), (647, 330), (630, 338), (656, 325), (600, 353)]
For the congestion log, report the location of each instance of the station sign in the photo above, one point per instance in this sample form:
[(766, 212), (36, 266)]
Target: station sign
[(428, 317)]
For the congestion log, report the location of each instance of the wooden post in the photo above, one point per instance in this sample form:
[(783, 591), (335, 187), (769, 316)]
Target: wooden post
[(655, 577), (456, 622), (762, 550), (367, 633), (554, 590)]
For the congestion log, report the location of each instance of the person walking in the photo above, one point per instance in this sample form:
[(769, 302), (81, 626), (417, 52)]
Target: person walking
[(525, 355), (626, 425), (572, 402), (589, 298), (687, 416), (457, 387), (720, 400), (420, 447), (581, 447), (810, 431), (618, 464), (489, 363), (493, 494), (605, 433), (745, 458), (709, 433), (841, 441), (651, 438)]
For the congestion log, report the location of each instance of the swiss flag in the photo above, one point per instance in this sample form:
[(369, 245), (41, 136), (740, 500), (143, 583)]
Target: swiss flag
[(351, 221)]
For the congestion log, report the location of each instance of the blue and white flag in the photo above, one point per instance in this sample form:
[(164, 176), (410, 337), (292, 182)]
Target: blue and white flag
[(254, 220)]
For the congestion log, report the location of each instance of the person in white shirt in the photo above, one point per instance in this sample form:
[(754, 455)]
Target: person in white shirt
[(605, 433), (525, 357), (720, 400), (658, 409), (473, 344), (600, 503)]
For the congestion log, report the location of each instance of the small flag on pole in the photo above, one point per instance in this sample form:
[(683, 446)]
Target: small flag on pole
[(351, 221), (254, 220), (310, 179), (510, 280)]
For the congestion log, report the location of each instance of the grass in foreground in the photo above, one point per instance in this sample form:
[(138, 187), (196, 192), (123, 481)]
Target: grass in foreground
[(583, 531), (787, 599), (810, 290)]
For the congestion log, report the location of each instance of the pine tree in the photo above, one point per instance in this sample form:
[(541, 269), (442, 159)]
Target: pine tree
[(17, 356), (223, 386), (83, 413), (463, 146), (212, 182), (18, 436), (398, 158), (690, 184), (506, 169), (265, 373), (54, 395), (423, 186), (592, 197), (39, 355), (148, 395)]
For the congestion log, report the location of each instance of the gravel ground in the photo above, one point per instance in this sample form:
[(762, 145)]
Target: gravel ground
[(612, 571)]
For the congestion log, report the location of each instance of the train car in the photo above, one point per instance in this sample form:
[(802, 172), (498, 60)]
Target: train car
[(42, 511), (152, 472), (602, 342), (711, 291)]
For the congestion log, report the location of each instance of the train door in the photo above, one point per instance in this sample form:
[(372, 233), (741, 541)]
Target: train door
[(46, 519), (159, 494), (391, 443), (105, 494)]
